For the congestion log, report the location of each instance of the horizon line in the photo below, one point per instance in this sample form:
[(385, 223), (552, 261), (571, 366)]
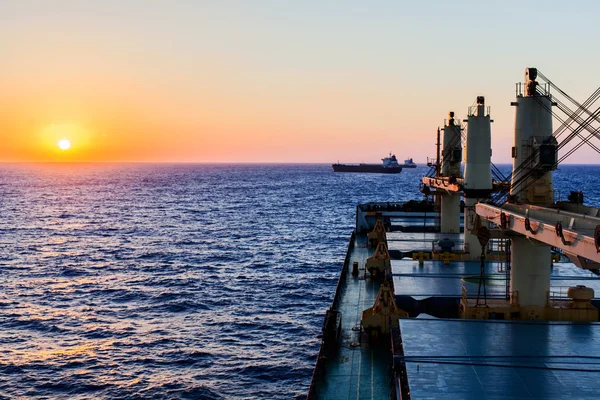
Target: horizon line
[(423, 164)]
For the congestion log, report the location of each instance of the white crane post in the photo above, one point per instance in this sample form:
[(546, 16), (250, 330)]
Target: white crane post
[(534, 158), (452, 156), (478, 170)]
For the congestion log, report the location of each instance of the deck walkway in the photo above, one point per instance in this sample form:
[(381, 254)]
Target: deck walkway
[(356, 372)]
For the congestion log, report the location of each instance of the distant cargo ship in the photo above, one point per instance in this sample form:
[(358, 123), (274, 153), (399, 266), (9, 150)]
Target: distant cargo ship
[(409, 163), (388, 166)]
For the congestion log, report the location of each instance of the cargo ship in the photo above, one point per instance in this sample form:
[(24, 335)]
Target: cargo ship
[(486, 288), (389, 165), (409, 163)]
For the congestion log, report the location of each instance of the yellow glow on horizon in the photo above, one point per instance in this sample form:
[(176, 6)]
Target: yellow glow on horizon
[(63, 141), (64, 144)]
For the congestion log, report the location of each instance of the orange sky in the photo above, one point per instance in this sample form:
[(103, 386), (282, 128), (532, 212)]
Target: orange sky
[(268, 82)]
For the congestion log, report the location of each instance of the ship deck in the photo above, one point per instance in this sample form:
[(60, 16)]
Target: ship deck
[(351, 371), (481, 359), (364, 371), (433, 278)]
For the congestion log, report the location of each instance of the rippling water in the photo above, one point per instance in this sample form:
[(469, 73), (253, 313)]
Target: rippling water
[(177, 281)]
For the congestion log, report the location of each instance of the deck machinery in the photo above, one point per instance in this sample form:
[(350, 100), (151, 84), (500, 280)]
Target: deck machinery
[(480, 299)]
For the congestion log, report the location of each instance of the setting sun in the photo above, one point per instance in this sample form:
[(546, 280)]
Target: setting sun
[(64, 144)]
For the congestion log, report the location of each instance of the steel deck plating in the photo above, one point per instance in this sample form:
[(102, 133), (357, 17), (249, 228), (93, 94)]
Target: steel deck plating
[(477, 359), (359, 370)]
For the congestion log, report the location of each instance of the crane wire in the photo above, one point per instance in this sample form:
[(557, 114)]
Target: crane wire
[(574, 117), (575, 133)]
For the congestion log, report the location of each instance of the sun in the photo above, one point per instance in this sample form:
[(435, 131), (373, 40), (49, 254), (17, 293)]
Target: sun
[(64, 144)]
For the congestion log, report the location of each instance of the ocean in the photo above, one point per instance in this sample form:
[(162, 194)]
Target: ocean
[(183, 281)]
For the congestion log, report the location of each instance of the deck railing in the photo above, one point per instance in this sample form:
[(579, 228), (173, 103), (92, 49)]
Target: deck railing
[(556, 294), (345, 268), (319, 364)]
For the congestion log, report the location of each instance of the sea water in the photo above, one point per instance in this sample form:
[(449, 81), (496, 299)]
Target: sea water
[(179, 280)]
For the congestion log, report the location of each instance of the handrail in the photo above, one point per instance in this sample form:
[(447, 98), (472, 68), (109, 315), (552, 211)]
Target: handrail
[(554, 295), (318, 365), (336, 297), (472, 109)]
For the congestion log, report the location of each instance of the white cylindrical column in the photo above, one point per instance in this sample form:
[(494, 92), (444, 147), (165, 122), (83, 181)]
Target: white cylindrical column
[(478, 154), (450, 213), (530, 274), (478, 171), (451, 159), (533, 126), (531, 183), (452, 150)]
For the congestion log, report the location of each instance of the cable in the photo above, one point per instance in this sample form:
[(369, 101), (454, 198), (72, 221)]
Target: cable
[(563, 93), (588, 120), (573, 117)]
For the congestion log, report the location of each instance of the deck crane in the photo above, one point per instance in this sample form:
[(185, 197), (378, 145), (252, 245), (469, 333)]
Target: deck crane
[(529, 215)]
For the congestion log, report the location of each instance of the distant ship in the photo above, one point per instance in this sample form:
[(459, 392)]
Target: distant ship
[(389, 166), (409, 163)]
